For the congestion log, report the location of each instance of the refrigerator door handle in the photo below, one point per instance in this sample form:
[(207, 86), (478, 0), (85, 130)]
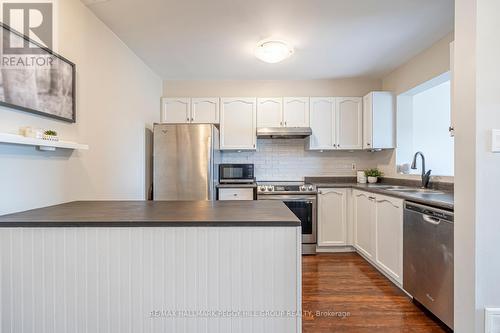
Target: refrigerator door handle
[(210, 185)]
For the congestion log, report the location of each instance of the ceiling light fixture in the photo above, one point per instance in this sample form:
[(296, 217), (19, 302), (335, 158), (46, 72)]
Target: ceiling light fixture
[(273, 51)]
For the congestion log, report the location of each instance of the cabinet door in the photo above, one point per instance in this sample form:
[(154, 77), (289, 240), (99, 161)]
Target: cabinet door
[(364, 220), (332, 217), (383, 120), (349, 129), (322, 121), (367, 122), (205, 110), (296, 111), (229, 194), (389, 236), (175, 110), (238, 120), (270, 112)]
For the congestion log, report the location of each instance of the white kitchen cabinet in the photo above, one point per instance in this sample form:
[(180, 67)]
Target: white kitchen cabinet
[(190, 110), (270, 112), (336, 123), (238, 123), (230, 194), (389, 236), (379, 121), (332, 217), (205, 110), (175, 110), (322, 122), (296, 112), (349, 123), (364, 223)]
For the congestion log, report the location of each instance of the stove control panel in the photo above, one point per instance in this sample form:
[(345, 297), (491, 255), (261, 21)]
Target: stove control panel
[(269, 188)]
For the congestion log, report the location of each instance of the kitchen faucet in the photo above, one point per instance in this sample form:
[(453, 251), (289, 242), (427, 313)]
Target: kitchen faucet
[(425, 175)]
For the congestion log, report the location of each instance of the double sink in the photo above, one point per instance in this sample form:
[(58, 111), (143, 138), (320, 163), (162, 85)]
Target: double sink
[(406, 189)]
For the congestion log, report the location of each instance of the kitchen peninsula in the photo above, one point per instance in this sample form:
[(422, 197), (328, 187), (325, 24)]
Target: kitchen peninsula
[(133, 266)]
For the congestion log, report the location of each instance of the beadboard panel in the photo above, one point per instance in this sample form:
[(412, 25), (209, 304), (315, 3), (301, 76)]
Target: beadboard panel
[(58, 280)]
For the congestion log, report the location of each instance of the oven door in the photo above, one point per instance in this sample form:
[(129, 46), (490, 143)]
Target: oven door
[(304, 207)]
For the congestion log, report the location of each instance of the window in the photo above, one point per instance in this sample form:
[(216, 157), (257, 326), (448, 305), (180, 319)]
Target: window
[(423, 121)]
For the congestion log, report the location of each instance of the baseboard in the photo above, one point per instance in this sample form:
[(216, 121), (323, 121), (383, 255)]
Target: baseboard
[(334, 249)]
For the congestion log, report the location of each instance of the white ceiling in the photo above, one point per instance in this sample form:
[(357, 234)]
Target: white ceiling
[(214, 39)]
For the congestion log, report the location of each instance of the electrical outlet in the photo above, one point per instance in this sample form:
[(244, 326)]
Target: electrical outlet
[(492, 320), (495, 141)]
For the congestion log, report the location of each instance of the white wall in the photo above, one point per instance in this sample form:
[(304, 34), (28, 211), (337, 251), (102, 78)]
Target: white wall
[(117, 99), (429, 64), (287, 160)]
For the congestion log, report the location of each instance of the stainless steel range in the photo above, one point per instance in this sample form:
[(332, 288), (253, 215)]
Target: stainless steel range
[(301, 199)]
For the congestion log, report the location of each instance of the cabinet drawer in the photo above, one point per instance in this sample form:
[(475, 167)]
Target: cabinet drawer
[(236, 193)]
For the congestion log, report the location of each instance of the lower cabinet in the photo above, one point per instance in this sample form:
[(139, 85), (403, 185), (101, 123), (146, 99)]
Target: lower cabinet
[(236, 194), (378, 231), (389, 236), (332, 217), (364, 223)]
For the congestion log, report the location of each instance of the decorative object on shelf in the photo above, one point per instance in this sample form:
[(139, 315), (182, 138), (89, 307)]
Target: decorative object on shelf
[(373, 175), (31, 132), (361, 177), (46, 87), (50, 135)]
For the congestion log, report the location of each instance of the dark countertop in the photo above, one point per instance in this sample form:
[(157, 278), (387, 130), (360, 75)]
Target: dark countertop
[(251, 185), (445, 201), (155, 214)]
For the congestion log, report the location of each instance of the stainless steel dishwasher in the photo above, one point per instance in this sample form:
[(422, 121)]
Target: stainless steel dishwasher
[(428, 258)]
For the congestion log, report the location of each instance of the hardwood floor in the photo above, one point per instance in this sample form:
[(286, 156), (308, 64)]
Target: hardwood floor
[(366, 300)]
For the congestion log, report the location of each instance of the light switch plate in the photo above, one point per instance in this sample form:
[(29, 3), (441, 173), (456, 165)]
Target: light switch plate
[(492, 320), (495, 141)]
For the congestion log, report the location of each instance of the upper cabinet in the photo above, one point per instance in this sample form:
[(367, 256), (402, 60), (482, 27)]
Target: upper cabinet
[(323, 122), (190, 110), (296, 112), (379, 121), (336, 123), (205, 110), (175, 110), (270, 112), (349, 123), (238, 123)]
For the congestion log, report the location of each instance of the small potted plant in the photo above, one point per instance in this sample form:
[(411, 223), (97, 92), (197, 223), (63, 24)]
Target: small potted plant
[(50, 135), (373, 175)]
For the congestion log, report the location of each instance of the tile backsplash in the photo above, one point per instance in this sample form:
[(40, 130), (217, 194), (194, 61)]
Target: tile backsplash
[(287, 159)]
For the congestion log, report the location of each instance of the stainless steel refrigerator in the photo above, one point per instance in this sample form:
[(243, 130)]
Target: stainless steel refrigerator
[(185, 157)]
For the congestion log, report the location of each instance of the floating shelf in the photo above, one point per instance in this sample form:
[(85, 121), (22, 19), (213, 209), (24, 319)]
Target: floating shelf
[(41, 144)]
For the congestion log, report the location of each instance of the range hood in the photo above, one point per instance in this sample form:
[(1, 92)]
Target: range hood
[(283, 132)]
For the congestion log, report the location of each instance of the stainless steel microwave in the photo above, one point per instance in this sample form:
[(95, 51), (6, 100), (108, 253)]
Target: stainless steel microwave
[(236, 173)]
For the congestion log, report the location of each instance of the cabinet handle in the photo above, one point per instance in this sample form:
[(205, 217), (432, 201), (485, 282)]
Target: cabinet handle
[(368, 144), (192, 119), (371, 198), (285, 123), (320, 192), (281, 123), (187, 119)]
